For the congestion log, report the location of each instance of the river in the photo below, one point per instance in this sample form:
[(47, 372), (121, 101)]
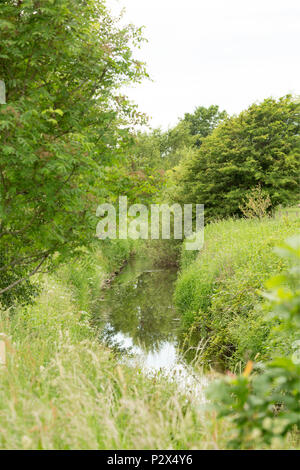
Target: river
[(138, 319)]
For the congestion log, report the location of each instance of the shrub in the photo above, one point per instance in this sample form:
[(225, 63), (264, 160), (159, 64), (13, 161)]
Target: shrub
[(256, 204)]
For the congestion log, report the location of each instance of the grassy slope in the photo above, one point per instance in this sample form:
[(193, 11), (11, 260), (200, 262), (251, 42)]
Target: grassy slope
[(61, 389), (217, 293)]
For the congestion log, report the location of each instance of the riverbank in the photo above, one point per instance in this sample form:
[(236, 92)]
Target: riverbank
[(62, 389), (218, 292)]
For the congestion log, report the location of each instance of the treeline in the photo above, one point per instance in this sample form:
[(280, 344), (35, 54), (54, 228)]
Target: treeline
[(214, 159)]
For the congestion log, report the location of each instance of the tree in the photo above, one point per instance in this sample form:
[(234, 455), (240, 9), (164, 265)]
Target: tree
[(258, 147), (159, 149), (203, 121), (63, 63), (143, 175)]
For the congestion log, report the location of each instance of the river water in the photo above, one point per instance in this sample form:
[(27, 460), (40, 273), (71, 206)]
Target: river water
[(139, 320)]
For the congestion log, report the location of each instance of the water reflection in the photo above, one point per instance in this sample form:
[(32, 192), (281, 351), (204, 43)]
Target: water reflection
[(139, 306), (137, 319)]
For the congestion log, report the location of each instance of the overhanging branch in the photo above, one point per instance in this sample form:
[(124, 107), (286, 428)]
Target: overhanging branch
[(14, 284)]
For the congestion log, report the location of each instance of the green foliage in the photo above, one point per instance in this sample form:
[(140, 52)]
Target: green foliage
[(23, 292), (63, 63), (85, 275), (157, 151), (161, 150), (218, 292), (143, 175), (116, 252), (140, 186), (265, 407), (258, 147), (203, 121)]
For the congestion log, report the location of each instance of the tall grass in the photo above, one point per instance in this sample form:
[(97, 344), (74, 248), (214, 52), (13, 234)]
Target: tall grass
[(217, 291), (61, 389), (85, 275)]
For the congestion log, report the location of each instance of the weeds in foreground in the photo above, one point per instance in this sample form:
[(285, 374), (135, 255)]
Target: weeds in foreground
[(60, 389), (264, 406)]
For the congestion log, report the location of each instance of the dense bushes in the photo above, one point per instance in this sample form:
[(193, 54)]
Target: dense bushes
[(258, 147), (217, 293)]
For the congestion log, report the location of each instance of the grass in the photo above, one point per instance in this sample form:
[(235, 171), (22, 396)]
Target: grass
[(217, 291), (61, 389)]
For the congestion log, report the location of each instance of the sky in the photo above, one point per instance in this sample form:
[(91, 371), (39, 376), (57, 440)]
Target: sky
[(202, 52)]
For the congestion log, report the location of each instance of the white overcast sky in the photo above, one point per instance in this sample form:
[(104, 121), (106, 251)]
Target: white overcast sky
[(203, 52)]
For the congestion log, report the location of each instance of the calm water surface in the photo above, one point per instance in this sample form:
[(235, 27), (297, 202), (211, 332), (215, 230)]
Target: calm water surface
[(138, 319)]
